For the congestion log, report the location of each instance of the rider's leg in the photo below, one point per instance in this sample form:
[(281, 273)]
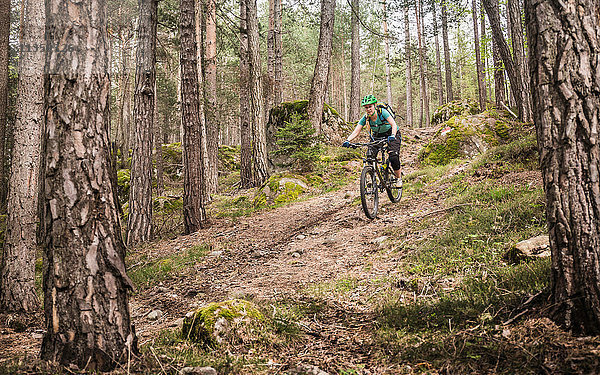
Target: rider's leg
[(394, 151)]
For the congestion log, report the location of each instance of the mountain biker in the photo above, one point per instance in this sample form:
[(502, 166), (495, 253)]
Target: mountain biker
[(382, 126)]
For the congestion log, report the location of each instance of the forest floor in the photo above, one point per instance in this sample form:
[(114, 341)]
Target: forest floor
[(321, 256)]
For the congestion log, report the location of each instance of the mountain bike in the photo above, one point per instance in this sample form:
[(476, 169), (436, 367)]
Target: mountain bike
[(377, 175)]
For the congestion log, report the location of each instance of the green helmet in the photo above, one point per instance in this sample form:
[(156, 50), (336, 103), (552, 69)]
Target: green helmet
[(369, 99)]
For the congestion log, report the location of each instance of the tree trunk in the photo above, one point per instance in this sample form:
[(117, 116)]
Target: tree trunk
[(270, 82), (440, 84), (424, 95), (355, 65), (409, 98), (158, 153), (564, 45), (499, 85), (484, 49), (17, 271), (278, 84), (491, 8), (388, 79), (85, 284), (193, 196), (318, 87), (478, 63), (449, 92), (245, 128), (212, 123), (518, 46), (139, 223), (4, 46), (257, 116)]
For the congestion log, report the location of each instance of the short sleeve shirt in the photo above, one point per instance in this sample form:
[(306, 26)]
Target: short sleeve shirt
[(380, 124)]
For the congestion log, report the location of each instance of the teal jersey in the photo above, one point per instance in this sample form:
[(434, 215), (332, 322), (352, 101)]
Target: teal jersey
[(380, 125)]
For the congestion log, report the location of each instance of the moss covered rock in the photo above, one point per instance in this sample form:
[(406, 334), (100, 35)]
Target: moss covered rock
[(454, 108), (230, 321), (280, 189), (466, 136), (333, 125)]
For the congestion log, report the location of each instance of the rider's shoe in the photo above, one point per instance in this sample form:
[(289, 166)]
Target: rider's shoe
[(398, 182)]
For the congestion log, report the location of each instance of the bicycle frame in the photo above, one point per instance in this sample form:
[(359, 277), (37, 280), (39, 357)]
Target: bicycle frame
[(380, 147)]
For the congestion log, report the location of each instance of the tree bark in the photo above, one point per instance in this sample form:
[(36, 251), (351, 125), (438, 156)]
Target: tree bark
[(17, 270), (564, 41), (210, 82), (85, 283), (257, 116), (270, 81), (245, 128), (440, 84), (478, 63), (278, 84), (388, 78), (409, 98), (318, 87), (355, 65), (193, 196), (516, 85), (424, 94), (449, 93), (4, 46), (499, 84), (158, 141), (518, 46), (139, 223), (484, 49)]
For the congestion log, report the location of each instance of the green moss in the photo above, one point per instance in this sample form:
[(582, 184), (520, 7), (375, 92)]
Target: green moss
[(200, 325), (443, 153), (329, 108), (315, 180), (454, 108), (290, 193), (167, 204)]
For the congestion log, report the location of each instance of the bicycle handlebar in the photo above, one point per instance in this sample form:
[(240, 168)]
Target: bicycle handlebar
[(373, 143)]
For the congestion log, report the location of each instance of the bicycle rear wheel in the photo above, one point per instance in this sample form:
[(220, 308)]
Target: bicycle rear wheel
[(393, 185), (369, 194)]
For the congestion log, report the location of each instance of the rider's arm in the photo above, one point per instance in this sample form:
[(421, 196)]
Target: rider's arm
[(394, 125), (356, 132)]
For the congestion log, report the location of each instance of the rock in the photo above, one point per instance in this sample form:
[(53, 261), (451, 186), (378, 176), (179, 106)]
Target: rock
[(154, 315), (216, 253), (223, 322), (300, 237), (536, 247), (380, 240), (162, 289), (306, 369), (296, 254), (198, 371)]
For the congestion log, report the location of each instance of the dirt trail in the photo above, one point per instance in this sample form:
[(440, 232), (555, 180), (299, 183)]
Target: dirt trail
[(277, 254)]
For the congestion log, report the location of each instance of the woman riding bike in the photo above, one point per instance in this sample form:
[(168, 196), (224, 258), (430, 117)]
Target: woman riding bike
[(382, 125)]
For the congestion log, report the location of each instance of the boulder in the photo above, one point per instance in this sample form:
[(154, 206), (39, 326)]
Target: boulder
[(280, 189), (445, 112), (230, 321), (464, 136), (533, 248)]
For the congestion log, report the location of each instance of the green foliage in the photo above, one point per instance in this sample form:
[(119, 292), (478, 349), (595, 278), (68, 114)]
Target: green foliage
[(147, 272), (173, 160), (297, 140), (123, 184), (229, 157)]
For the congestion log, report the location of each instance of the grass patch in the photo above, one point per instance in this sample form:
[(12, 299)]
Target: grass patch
[(149, 272)]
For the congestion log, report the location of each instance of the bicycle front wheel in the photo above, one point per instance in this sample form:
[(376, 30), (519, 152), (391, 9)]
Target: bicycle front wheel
[(393, 186), (369, 195)]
